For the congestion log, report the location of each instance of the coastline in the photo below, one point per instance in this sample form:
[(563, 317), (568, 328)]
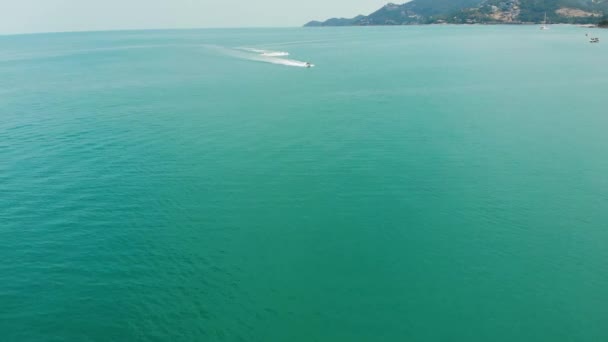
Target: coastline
[(465, 24)]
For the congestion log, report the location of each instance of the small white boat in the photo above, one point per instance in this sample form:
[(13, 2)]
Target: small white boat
[(544, 25)]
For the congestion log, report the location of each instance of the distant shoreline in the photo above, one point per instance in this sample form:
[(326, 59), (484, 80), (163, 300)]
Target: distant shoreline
[(481, 12), (456, 24)]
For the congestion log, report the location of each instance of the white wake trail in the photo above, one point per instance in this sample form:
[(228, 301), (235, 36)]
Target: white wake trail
[(259, 55), (287, 62), (275, 54), (267, 53)]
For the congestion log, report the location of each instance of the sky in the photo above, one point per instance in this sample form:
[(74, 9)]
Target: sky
[(28, 16)]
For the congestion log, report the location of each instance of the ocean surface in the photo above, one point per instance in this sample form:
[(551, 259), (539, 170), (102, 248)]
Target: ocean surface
[(438, 183)]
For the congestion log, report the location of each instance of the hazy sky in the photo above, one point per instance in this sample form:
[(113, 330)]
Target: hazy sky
[(21, 16)]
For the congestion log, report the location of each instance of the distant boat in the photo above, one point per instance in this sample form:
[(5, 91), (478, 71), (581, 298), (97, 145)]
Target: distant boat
[(544, 25), (594, 40)]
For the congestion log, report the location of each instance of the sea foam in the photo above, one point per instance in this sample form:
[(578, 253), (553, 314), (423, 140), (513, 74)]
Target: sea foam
[(269, 56)]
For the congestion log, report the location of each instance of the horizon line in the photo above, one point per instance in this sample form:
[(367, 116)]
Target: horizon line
[(147, 29)]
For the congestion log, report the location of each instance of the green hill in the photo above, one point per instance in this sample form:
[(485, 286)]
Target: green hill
[(479, 11)]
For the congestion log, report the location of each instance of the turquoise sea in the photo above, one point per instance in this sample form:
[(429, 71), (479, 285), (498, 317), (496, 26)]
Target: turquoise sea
[(434, 183)]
